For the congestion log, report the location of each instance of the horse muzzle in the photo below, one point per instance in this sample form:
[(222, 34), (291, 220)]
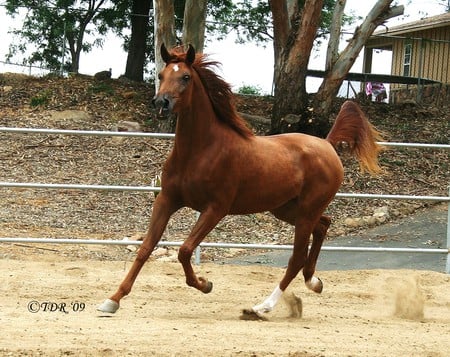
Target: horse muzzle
[(163, 103)]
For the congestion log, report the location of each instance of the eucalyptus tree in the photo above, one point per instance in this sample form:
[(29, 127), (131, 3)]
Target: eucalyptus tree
[(294, 27), (52, 29)]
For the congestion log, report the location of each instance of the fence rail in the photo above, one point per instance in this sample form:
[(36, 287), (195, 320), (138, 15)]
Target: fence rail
[(58, 186), (171, 136), (32, 185)]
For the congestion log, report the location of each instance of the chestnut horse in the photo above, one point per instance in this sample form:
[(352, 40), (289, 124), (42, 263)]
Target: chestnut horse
[(218, 167)]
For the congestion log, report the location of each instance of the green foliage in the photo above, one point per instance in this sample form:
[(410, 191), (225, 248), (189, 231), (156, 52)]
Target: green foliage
[(253, 21), (118, 20), (249, 20), (249, 90), (101, 87), (63, 29), (42, 98), (59, 29)]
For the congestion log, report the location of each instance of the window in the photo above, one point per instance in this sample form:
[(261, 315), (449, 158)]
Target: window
[(407, 60)]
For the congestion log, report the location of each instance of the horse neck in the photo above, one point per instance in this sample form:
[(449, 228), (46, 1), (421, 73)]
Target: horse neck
[(196, 124)]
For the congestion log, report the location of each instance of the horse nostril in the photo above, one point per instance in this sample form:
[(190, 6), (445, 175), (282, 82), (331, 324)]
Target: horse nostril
[(166, 103), (161, 102), (163, 105)]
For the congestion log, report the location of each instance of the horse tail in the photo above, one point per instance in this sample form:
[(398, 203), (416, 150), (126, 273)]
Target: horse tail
[(352, 131)]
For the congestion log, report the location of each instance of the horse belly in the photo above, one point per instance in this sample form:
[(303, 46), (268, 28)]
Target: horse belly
[(246, 204), (266, 192)]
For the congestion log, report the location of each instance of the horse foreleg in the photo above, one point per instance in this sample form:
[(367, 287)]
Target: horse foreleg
[(205, 223), (319, 233), (112, 304), (161, 214)]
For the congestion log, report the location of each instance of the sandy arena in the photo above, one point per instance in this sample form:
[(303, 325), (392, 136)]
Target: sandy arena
[(359, 313)]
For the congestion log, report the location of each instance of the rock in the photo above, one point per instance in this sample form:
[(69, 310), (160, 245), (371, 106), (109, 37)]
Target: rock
[(129, 95), (171, 257), (370, 220), (381, 212), (70, 117), (132, 247), (381, 219), (289, 123), (102, 75), (125, 125), (351, 222), (160, 252), (360, 222)]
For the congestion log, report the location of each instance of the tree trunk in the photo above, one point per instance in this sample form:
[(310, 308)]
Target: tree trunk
[(76, 40), (134, 69), (164, 33), (335, 33), (290, 85), (281, 29), (329, 88), (194, 24), (74, 61)]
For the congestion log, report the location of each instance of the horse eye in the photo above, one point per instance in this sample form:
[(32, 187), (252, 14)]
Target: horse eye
[(186, 77)]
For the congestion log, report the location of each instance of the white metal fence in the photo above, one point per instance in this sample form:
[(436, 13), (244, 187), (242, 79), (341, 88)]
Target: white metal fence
[(32, 185)]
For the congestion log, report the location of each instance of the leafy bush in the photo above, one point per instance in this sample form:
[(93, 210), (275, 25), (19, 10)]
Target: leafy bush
[(42, 98), (249, 90), (102, 87)]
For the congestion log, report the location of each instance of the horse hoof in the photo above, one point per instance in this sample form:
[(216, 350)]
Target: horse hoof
[(315, 284), (251, 315), (208, 286), (109, 306)]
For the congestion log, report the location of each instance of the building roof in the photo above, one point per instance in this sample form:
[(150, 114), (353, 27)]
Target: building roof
[(419, 25)]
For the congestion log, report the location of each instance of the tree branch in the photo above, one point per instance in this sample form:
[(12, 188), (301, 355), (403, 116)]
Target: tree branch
[(334, 78), (335, 32)]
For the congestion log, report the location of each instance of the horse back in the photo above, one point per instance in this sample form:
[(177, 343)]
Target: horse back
[(276, 169)]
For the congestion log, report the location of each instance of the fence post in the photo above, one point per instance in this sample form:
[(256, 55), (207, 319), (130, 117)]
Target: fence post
[(447, 266), (198, 251), (197, 255)]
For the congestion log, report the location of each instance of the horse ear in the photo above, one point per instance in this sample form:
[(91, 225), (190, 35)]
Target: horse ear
[(165, 54), (190, 55)]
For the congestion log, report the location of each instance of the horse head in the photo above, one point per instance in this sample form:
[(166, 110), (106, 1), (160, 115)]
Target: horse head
[(175, 79)]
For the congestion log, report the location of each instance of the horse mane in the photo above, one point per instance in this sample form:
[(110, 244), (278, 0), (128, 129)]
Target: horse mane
[(219, 91)]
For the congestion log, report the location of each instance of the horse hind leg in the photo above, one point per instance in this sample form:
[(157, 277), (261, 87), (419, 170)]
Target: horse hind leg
[(303, 228), (299, 259), (319, 233)]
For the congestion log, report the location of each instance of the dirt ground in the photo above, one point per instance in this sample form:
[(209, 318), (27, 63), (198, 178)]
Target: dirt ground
[(48, 307)]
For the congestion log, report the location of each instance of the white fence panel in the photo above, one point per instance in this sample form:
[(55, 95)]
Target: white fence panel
[(32, 185)]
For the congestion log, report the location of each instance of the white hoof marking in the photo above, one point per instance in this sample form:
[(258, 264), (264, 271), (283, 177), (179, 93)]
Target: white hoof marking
[(314, 284), (108, 306), (262, 308), (269, 303)]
